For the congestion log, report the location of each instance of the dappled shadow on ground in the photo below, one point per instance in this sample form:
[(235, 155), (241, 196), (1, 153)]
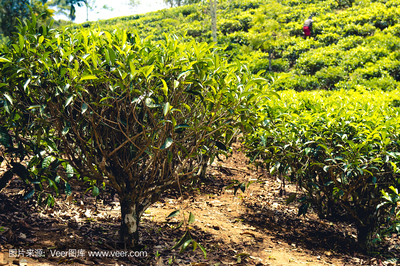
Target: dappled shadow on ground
[(86, 224), (251, 228), (306, 233), (266, 211), (322, 237)]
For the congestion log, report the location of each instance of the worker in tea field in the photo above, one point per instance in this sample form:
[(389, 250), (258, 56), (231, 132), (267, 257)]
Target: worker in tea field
[(307, 28)]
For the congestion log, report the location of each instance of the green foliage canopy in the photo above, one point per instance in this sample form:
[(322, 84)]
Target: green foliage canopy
[(139, 115)]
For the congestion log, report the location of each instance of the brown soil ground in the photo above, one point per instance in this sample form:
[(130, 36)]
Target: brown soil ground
[(256, 227)]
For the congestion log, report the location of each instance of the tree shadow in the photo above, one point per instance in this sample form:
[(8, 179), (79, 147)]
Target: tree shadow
[(307, 233)]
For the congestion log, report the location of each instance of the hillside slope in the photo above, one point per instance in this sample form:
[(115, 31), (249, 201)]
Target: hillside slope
[(351, 46)]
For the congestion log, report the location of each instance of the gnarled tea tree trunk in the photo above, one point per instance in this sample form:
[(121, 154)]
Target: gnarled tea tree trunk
[(130, 218), (132, 208), (131, 212)]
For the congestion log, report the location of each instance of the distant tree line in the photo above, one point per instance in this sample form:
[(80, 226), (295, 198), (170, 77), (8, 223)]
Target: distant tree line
[(173, 3), (13, 10)]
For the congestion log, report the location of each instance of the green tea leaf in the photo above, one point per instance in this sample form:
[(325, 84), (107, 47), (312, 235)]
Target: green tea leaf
[(203, 249), (184, 238), (194, 245), (185, 245), (7, 107), (170, 156), (242, 187), (51, 145), (20, 170), (173, 214), (47, 161), (291, 198), (50, 200), (165, 88), (65, 130), (95, 191), (150, 103), (148, 70), (180, 128), (8, 97), (112, 55), (26, 83), (30, 194), (21, 42), (191, 218), (303, 209), (69, 170), (176, 84), (88, 77), (69, 100), (68, 189), (179, 225), (168, 142), (84, 108), (166, 108), (4, 60)]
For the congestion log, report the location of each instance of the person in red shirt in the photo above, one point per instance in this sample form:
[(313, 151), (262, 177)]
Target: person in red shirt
[(307, 27)]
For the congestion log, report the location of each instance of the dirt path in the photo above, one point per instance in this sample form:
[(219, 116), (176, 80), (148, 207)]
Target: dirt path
[(251, 228)]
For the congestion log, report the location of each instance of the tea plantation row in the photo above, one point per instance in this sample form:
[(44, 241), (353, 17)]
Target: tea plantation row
[(350, 47)]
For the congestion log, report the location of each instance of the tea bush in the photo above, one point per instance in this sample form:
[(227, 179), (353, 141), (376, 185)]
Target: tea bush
[(341, 148), (229, 26), (329, 38), (319, 59), (329, 77), (138, 115), (350, 42), (394, 30), (358, 30), (295, 82)]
